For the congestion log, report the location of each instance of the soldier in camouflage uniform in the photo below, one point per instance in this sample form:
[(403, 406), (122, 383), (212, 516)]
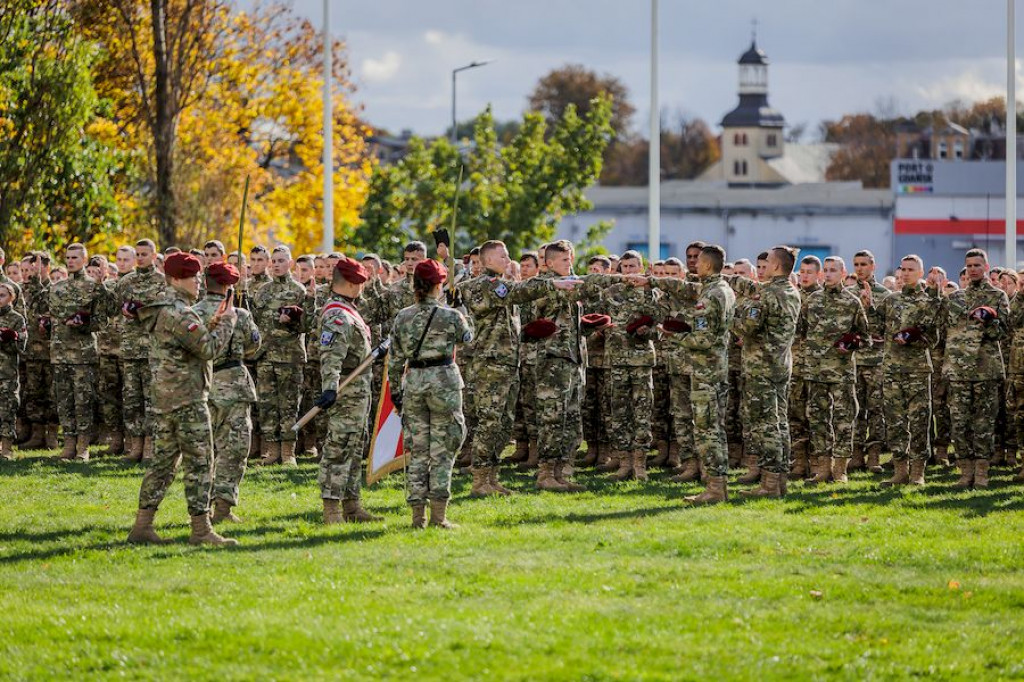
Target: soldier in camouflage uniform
[(911, 321), (597, 394), (869, 438), (40, 410), (232, 393), (13, 341), (311, 436), (766, 321), (424, 338), (735, 423), (140, 287), (834, 325), (344, 342), (282, 309), (940, 411), (1015, 371), (108, 372), (400, 296), (976, 321), (799, 427), (525, 427), (76, 306), (491, 300), (181, 352)]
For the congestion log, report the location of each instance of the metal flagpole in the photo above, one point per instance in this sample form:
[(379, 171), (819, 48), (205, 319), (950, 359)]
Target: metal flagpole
[(1011, 138), (328, 238), (654, 156)]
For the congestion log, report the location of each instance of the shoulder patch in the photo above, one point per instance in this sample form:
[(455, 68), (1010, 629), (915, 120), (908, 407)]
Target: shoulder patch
[(193, 326), (754, 313), (326, 338), (501, 291), (700, 324)]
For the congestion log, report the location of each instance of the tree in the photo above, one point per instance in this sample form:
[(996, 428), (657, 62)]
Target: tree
[(577, 86), (517, 193), (868, 145), (687, 148), (54, 175)]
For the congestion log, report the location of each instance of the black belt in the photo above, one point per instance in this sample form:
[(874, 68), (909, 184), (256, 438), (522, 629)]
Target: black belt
[(227, 365), (423, 364)]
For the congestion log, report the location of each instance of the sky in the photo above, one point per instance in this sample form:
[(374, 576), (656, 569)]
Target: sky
[(827, 57)]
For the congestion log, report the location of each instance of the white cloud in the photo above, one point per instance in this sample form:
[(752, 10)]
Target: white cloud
[(382, 70), (433, 37)]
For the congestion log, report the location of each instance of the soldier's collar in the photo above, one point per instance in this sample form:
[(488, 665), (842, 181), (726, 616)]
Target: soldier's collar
[(5, 309), (216, 297), (283, 278)]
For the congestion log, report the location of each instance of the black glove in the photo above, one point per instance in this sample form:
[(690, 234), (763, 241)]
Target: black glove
[(396, 400), (442, 237), (326, 399), (453, 298)]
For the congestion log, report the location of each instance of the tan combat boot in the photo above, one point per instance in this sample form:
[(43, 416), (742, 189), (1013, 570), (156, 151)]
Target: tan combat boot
[(874, 459), (134, 449), (492, 480), (857, 462), (142, 532), (533, 458), (769, 487), (611, 463), (941, 454), (481, 483), (673, 462), (799, 468), (592, 456), (354, 512), (625, 469), (690, 472), (70, 447), (1011, 458), (562, 473), (222, 512), (82, 448), (522, 452), (822, 471), (419, 516), (51, 436), (271, 453), (148, 447), (203, 533), (753, 474), (917, 467), (6, 449), (640, 465), (115, 444), (288, 453), (332, 512), (661, 457), (839, 468), (901, 475), (735, 455), (966, 474), (36, 440), (546, 478), (715, 492), (981, 474), (438, 512)]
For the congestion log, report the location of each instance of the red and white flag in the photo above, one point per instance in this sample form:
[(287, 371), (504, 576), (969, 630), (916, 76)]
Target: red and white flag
[(386, 451)]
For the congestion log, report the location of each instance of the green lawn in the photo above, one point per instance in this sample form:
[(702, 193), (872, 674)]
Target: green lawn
[(623, 582)]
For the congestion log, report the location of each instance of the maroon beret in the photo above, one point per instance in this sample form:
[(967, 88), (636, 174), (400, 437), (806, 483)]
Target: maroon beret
[(595, 321), (224, 274), (181, 265), (540, 329), (676, 325), (430, 271), (636, 323), (352, 270)]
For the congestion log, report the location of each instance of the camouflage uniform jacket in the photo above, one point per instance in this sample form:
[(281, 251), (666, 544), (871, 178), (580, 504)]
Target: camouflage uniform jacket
[(973, 351), (1017, 327), (77, 293), (139, 287), (344, 342), (568, 342), (108, 337), (282, 342), (393, 299), (181, 352), (231, 385), (910, 307), (492, 302), (799, 364), (872, 357), (594, 304), (766, 321), (684, 296), (19, 303), (625, 303), (10, 351), (37, 312), (448, 328), (831, 313), (709, 317)]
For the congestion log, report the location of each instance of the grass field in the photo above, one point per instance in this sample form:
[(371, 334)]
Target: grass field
[(620, 583)]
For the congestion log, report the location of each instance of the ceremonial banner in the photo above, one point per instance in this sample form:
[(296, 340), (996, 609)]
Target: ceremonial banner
[(386, 453)]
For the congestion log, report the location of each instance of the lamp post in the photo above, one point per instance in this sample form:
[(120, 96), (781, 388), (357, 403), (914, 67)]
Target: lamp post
[(467, 67), (654, 155)]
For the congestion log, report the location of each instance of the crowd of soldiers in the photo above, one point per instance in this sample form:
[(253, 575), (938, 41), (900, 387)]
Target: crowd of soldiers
[(787, 368)]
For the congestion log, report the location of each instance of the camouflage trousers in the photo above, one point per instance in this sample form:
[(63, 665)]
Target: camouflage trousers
[(767, 412), (661, 415), (311, 390), (734, 421), (870, 430), (341, 464), (632, 402), (496, 389), (831, 415), (135, 398), (973, 409), (433, 429), (709, 402), (1015, 401), (1006, 431), (559, 398), (799, 427), (39, 404), (908, 414), (9, 402), (232, 432), (940, 411), (182, 436), (108, 392), (74, 387), (279, 392), (679, 396), (596, 407), (464, 361)]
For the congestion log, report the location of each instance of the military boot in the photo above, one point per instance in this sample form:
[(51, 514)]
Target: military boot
[(354, 513), (769, 487), (134, 454), (271, 453), (1019, 478), (901, 476), (941, 455), (822, 471), (1010, 458), (70, 447), (438, 514), (563, 474), (222, 512), (839, 468), (753, 474), (203, 533), (116, 446), (22, 430), (592, 456), (492, 480), (690, 472), (148, 447), (142, 532), (980, 474), (661, 457), (522, 452), (612, 463), (874, 459), (419, 516), (966, 474), (51, 436), (6, 449), (715, 492), (625, 469), (546, 478), (799, 468), (640, 465), (673, 462), (533, 458), (857, 462), (82, 448), (465, 458), (917, 467), (36, 439), (735, 455), (332, 512), (481, 483), (288, 453)]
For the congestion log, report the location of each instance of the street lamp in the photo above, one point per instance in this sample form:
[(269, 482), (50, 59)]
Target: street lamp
[(467, 67)]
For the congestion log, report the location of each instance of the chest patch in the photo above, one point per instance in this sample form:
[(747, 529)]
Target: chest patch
[(193, 326), (700, 324), (754, 314), (501, 291), (326, 338)]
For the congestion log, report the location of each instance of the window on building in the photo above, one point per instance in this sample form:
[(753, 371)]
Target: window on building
[(958, 149), (736, 139), (741, 168), (773, 141), (943, 150), (745, 140), (735, 167)]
